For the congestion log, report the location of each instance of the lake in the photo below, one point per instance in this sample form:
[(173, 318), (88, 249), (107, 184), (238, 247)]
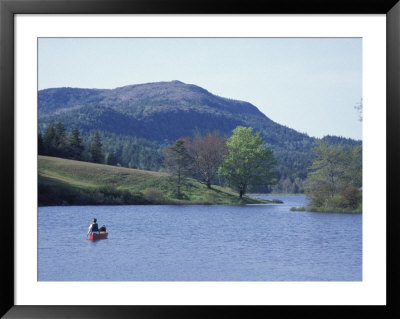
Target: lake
[(200, 243)]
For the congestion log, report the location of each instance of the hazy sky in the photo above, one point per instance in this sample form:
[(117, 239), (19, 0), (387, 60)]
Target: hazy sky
[(308, 84)]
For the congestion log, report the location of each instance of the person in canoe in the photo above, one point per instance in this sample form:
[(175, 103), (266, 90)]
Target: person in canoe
[(93, 227), (94, 232)]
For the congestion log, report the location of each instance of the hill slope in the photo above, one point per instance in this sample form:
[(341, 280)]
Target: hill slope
[(137, 121), (157, 111), (68, 182)]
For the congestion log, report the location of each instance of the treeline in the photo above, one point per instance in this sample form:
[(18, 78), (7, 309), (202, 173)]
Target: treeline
[(56, 142), (131, 143), (294, 163), (100, 147), (131, 152)]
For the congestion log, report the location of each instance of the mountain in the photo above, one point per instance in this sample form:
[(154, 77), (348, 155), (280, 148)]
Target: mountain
[(159, 113), (156, 111)]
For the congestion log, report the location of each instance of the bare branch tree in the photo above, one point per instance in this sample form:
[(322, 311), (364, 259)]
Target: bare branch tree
[(208, 153)]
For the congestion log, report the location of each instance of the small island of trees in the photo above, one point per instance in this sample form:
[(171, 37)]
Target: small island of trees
[(334, 183)]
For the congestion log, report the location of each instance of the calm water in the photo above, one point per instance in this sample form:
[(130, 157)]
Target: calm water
[(200, 243)]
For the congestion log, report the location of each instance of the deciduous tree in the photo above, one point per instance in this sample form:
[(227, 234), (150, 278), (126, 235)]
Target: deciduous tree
[(207, 153), (335, 176), (248, 162)]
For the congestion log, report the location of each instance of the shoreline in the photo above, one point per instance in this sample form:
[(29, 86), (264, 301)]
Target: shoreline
[(63, 182), (324, 210), (162, 204)]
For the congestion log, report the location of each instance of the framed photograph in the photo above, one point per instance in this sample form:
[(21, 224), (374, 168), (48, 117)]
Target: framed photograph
[(110, 113)]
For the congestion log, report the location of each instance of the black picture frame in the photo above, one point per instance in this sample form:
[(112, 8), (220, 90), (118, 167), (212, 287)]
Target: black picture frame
[(8, 8)]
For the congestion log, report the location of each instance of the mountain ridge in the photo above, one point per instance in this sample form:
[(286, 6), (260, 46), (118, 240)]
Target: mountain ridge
[(157, 91), (144, 101)]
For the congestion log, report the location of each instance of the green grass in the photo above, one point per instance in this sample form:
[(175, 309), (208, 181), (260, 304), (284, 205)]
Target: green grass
[(68, 182)]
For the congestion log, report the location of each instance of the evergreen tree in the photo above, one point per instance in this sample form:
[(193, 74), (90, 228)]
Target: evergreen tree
[(127, 154), (60, 132), (96, 149), (49, 140), (60, 139), (75, 145), (111, 159), (178, 162), (41, 150)]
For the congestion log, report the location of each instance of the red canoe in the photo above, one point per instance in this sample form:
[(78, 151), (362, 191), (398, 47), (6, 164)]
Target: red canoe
[(96, 236)]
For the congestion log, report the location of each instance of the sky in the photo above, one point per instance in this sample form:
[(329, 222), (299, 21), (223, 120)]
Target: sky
[(309, 84)]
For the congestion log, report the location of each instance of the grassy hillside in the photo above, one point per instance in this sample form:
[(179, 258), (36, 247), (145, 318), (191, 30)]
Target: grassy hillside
[(68, 182)]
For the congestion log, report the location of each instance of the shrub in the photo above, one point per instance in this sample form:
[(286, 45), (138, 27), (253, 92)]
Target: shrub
[(154, 195), (351, 197), (334, 202)]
